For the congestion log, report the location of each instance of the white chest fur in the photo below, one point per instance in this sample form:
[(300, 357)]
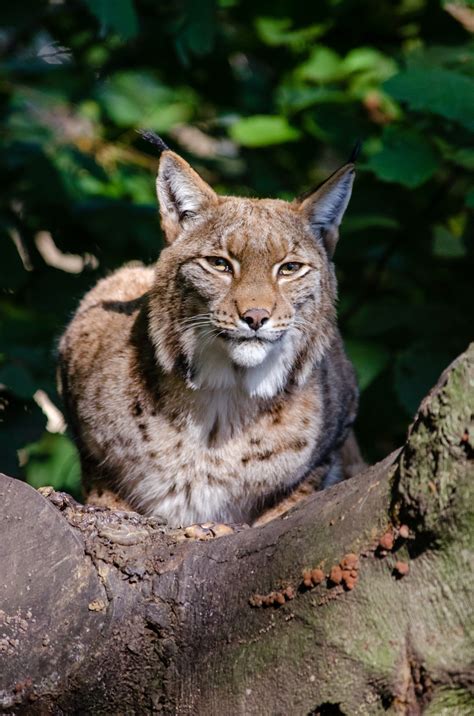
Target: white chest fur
[(218, 463), (222, 456), (264, 376)]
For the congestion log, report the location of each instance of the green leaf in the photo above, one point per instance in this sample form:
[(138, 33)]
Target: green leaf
[(273, 31), (323, 65), (115, 15), (462, 156), (295, 98), (53, 460), (406, 157), (263, 130), (276, 32), (138, 99), (368, 59), (445, 92), (369, 360)]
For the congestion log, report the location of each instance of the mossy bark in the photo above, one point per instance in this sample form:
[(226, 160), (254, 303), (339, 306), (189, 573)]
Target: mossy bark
[(107, 613)]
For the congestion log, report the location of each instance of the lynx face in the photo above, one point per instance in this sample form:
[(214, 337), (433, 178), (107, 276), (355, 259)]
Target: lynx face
[(249, 283)]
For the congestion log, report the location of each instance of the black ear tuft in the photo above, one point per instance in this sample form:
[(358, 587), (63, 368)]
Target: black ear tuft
[(355, 152), (153, 138)]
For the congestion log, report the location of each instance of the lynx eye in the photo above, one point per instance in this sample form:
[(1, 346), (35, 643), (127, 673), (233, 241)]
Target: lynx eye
[(219, 264), (289, 268)]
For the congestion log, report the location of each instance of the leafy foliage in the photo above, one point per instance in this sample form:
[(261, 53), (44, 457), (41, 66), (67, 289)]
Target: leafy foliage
[(440, 91), (263, 131), (406, 157), (263, 98)]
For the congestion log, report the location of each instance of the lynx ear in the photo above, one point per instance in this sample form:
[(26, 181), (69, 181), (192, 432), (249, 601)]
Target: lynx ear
[(182, 194), (324, 207)]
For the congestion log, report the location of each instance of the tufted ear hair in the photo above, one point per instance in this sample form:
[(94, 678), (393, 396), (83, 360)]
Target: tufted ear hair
[(182, 194), (324, 206)]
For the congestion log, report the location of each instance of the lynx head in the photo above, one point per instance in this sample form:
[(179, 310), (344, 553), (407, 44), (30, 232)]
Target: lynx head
[(245, 289)]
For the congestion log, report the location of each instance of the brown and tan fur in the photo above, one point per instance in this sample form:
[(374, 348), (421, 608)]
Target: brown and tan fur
[(181, 406)]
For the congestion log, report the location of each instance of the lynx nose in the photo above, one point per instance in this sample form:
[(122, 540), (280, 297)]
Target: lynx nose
[(256, 317)]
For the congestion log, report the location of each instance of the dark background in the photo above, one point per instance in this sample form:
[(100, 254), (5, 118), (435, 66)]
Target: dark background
[(263, 98)]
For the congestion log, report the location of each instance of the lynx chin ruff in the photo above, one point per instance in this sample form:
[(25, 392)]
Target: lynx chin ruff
[(214, 384)]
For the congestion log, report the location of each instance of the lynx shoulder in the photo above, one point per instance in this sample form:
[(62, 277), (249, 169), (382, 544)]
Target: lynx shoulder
[(213, 384)]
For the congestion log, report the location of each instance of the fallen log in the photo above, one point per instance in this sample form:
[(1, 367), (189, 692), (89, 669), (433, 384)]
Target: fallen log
[(356, 602)]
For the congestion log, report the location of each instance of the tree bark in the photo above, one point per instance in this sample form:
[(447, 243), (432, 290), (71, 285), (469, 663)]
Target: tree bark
[(110, 613)]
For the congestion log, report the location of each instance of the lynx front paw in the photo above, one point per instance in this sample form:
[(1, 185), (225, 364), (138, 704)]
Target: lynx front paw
[(210, 530)]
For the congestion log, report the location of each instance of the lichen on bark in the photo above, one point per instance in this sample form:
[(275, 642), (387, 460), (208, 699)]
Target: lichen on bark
[(433, 486)]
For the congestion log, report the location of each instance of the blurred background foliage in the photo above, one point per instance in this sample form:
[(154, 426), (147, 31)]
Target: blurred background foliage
[(263, 98)]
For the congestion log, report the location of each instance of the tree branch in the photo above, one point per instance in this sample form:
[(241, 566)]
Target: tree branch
[(106, 612)]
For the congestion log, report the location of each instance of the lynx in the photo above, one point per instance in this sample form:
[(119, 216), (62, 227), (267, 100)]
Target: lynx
[(213, 384)]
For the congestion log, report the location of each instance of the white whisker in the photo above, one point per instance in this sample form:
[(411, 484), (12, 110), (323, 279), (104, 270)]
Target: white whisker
[(190, 319), (198, 324)]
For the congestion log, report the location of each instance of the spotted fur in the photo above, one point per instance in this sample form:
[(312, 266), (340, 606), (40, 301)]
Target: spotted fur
[(179, 406)]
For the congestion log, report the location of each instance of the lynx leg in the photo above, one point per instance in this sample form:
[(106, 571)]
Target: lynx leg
[(98, 490), (346, 464), (301, 494), (103, 497)]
